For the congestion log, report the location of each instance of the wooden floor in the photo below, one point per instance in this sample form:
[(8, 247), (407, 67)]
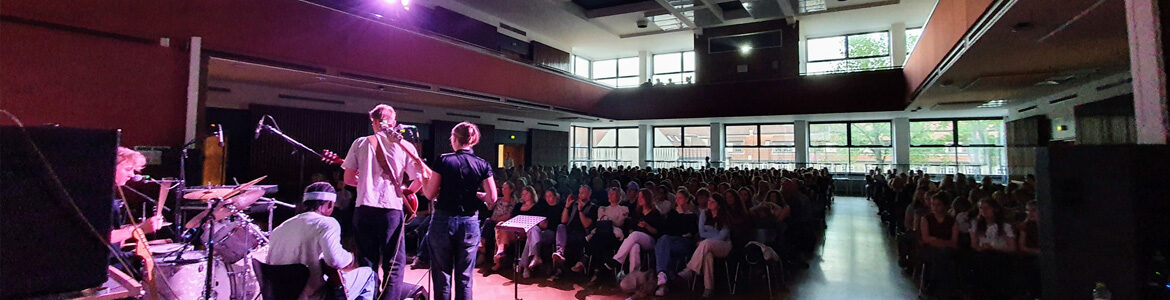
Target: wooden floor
[(856, 262)]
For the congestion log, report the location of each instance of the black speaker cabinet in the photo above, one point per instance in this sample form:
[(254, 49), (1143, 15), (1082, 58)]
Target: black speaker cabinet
[(1105, 215), (46, 244)]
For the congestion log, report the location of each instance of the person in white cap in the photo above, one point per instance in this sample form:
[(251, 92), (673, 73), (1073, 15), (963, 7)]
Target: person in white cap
[(312, 236)]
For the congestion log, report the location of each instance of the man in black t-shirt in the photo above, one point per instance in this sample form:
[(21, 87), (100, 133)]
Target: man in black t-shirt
[(577, 218)]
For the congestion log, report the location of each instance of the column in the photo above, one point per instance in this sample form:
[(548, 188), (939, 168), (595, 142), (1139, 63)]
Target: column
[(898, 43), (902, 144), (1145, 20), (645, 143), (717, 143), (644, 66), (800, 130)]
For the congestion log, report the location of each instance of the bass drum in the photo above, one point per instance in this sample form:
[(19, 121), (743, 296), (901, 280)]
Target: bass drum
[(235, 239), (183, 278)]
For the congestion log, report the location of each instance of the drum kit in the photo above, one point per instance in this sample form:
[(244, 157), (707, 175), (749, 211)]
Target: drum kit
[(229, 241)]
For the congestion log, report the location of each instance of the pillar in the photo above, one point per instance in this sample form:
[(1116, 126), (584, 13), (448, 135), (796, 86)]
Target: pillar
[(717, 145), (645, 144), (902, 144), (1145, 19), (800, 129), (898, 43)]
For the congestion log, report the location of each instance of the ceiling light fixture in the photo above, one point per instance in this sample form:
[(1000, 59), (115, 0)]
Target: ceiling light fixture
[(993, 103), (745, 49)]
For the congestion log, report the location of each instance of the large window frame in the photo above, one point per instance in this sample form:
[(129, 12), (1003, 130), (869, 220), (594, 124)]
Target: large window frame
[(618, 80), (911, 44), (681, 74), (757, 149), (956, 149), (611, 155), (577, 63), (848, 56), (852, 149), (689, 153)]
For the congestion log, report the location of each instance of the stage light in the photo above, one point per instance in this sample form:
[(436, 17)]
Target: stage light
[(745, 49), (406, 4)]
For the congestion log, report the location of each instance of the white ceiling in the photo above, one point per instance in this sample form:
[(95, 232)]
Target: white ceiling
[(562, 24)]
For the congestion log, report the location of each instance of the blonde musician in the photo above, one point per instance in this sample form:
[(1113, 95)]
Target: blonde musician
[(376, 165), (130, 162)]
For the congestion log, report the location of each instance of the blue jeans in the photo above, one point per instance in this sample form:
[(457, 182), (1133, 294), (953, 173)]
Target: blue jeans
[(454, 240), (669, 249)]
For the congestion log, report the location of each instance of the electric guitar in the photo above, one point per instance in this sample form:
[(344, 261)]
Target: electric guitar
[(409, 201)]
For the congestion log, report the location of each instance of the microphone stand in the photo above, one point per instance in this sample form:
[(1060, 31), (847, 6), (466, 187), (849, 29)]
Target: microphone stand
[(181, 187), (289, 139), (210, 247)]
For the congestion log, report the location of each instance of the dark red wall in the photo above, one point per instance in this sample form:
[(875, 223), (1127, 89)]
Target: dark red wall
[(92, 81), (303, 33), (948, 23), (837, 93)]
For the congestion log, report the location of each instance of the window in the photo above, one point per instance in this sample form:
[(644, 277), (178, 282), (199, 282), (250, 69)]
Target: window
[(685, 146), (581, 66), (912, 36), (613, 147), (579, 146), (973, 147), (678, 67), (850, 147), (760, 146), (617, 72), (849, 53)]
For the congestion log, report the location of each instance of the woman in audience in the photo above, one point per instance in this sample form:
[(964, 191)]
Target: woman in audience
[(642, 235), (551, 210), (661, 203), (677, 233), (527, 206), (939, 237), (607, 231), (715, 234), (993, 239), (1030, 248), (501, 212)]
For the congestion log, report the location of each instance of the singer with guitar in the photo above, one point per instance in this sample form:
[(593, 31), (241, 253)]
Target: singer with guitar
[(378, 165), (454, 233)]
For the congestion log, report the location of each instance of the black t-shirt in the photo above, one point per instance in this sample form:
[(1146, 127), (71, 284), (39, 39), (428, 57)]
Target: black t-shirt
[(590, 212), (552, 213), (680, 224), (653, 218), (462, 174)]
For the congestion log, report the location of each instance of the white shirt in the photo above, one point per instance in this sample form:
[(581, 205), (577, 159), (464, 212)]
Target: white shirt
[(305, 239), (616, 213), (373, 189), (992, 237)]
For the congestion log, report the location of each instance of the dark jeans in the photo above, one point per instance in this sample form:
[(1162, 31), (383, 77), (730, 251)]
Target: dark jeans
[(671, 248), (416, 230), (570, 241), (453, 248), (379, 233)]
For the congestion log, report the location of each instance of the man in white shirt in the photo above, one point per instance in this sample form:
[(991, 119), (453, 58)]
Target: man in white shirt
[(376, 165), (312, 236)]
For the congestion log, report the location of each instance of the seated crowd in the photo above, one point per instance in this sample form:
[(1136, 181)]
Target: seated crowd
[(960, 237), (685, 224)]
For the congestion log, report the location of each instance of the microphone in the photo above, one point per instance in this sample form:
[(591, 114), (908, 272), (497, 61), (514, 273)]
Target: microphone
[(259, 126), (147, 179), (219, 134)]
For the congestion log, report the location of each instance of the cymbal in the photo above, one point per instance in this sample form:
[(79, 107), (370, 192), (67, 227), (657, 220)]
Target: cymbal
[(245, 199), (222, 193)]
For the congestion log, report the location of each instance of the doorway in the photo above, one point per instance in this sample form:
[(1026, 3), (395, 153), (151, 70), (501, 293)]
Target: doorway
[(510, 155)]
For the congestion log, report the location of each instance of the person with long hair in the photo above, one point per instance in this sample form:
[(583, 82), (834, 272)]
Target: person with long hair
[(993, 239), (463, 184), (527, 206), (501, 212), (676, 237), (939, 237), (715, 233), (647, 222)]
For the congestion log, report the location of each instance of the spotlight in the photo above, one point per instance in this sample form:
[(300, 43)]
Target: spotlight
[(745, 49), (406, 4)]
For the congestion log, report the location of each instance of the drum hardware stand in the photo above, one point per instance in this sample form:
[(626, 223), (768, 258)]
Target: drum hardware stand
[(182, 185), (210, 246)]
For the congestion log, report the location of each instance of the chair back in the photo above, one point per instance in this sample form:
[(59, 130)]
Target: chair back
[(280, 281)]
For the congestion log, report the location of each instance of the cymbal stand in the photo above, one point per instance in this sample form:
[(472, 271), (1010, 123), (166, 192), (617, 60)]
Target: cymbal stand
[(210, 248)]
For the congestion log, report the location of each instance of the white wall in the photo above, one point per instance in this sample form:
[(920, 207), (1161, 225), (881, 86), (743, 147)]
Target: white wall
[(243, 94), (1062, 113)]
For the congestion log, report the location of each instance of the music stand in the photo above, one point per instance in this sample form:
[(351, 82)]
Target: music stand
[(519, 225)]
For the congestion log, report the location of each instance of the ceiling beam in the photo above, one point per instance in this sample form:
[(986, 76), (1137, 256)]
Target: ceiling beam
[(788, 11), (646, 33), (621, 9), (677, 14), (715, 9)]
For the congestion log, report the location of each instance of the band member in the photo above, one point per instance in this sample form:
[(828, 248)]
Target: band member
[(312, 235), (455, 230), (129, 163), (376, 164)]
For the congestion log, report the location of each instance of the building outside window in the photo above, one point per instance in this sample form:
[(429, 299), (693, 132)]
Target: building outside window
[(852, 147), (681, 146), (973, 147), (613, 147), (578, 146), (620, 73), (676, 67), (849, 53), (760, 146)]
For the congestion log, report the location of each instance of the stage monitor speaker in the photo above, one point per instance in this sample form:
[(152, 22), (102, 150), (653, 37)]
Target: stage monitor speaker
[(46, 248)]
